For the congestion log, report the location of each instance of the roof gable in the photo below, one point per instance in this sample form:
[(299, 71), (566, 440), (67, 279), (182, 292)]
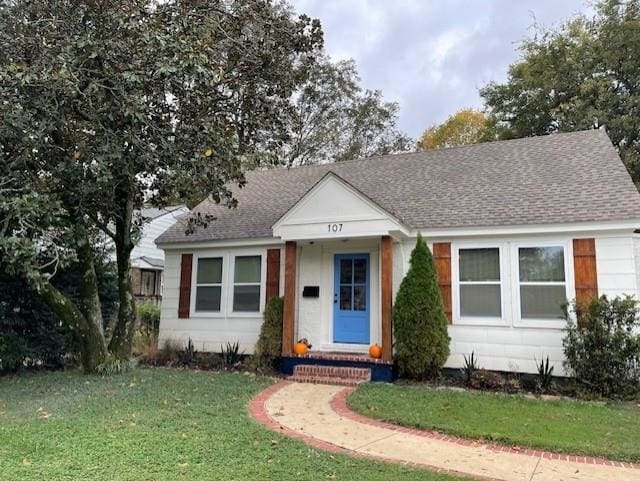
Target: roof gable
[(334, 208)]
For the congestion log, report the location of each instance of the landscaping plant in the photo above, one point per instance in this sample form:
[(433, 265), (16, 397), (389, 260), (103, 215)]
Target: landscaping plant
[(470, 366), (149, 317), (486, 380), (188, 355), (419, 320), (231, 355), (602, 346), (269, 345), (544, 379)]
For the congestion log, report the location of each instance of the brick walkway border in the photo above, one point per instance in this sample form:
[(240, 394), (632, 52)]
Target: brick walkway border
[(339, 405), (259, 413)]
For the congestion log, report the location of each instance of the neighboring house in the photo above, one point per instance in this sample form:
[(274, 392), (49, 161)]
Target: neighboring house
[(147, 261), (516, 228)]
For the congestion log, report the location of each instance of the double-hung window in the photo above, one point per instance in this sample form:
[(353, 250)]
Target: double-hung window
[(542, 282), (479, 282), (209, 284), (246, 283)]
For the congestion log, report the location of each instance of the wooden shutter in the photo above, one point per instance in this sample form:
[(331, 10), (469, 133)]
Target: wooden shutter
[(442, 258), (584, 268), (184, 303), (273, 273)]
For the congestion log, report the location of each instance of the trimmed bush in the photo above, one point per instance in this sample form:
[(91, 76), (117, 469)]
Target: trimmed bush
[(602, 349), (269, 345), (419, 320)]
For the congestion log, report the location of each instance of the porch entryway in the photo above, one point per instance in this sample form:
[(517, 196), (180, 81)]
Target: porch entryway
[(351, 299), (338, 297)]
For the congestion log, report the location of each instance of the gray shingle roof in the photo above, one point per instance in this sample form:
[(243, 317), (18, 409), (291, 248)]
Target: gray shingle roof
[(558, 178)]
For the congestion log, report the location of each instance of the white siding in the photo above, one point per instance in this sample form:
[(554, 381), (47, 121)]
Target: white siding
[(209, 331), (511, 346), (508, 345), (616, 265), (146, 247)]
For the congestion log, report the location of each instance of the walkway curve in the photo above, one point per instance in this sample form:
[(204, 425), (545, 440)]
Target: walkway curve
[(318, 415)]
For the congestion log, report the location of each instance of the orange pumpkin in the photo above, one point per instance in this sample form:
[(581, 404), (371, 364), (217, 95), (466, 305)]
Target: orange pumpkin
[(375, 351), (300, 348)]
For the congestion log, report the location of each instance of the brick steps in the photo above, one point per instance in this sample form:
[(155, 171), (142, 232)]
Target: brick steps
[(341, 376)]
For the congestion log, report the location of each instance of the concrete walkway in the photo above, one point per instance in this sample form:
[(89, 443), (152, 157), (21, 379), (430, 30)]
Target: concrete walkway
[(318, 415)]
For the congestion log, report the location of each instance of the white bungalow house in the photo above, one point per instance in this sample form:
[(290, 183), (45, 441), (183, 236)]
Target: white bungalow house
[(516, 228), (147, 260)]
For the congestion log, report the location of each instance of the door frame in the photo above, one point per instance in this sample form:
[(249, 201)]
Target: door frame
[(336, 295)]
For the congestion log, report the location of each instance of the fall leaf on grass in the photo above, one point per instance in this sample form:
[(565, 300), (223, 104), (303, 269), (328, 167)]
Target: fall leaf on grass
[(43, 413), (26, 461)]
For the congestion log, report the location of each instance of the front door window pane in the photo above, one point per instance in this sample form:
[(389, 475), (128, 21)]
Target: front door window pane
[(359, 298), (346, 271), (360, 271), (345, 298)]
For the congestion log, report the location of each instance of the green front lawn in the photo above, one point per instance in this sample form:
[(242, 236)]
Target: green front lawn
[(572, 427), (153, 425)]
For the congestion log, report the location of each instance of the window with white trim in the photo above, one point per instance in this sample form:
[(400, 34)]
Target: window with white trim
[(209, 284), (247, 278), (479, 282), (542, 282)]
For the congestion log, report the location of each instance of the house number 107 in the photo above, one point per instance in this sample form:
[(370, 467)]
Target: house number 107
[(334, 227)]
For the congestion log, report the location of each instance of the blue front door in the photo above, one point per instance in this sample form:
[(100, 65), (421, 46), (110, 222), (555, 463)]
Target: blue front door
[(351, 299)]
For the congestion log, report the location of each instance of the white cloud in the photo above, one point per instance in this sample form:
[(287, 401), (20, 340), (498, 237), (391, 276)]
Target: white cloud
[(429, 56)]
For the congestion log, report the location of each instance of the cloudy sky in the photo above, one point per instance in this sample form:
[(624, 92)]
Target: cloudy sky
[(431, 56)]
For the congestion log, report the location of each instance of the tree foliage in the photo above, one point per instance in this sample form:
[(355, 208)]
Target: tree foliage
[(420, 324), (583, 75), (334, 119), (107, 104), (602, 349), (31, 334), (465, 127)]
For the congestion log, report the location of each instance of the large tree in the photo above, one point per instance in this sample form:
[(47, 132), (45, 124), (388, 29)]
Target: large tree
[(465, 127), (336, 119), (107, 104), (583, 75)]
